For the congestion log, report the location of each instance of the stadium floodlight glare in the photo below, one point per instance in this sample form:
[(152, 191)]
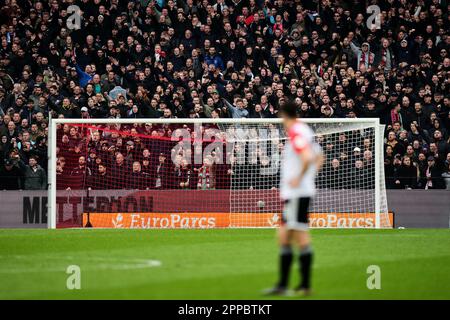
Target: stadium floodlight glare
[(207, 173)]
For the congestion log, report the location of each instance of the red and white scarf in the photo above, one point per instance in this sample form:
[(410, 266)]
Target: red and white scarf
[(203, 178)]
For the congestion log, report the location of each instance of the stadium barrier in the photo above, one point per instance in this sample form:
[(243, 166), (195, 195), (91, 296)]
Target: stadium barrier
[(204, 220), (412, 208), (263, 211)]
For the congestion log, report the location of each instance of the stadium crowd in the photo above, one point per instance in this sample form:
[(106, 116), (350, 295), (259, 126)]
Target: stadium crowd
[(223, 58)]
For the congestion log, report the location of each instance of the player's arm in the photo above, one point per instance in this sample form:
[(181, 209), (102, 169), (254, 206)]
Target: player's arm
[(307, 159)]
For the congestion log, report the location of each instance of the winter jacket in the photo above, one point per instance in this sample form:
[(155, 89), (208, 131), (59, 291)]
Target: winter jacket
[(34, 179)]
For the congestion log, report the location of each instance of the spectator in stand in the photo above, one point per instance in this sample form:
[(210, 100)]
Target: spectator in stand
[(407, 174), (359, 175), (80, 175), (206, 175), (161, 173), (182, 175), (10, 176), (35, 177), (336, 170), (135, 179), (432, 176), (119, 171), (101, 180)]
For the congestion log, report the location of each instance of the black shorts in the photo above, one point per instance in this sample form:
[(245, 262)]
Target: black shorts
[(295, 213)]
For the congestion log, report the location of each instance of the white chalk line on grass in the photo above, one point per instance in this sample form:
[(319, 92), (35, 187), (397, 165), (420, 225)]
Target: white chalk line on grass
[(102, 264)]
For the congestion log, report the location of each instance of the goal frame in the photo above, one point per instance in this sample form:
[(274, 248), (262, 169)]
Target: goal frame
[(51, 204)]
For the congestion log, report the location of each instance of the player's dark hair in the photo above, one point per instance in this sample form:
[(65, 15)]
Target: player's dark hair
[(289, 109)]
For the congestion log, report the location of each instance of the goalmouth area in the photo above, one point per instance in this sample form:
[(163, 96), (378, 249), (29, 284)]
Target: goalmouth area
[(208, 173)]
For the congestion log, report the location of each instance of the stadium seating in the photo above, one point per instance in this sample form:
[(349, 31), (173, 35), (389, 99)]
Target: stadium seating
[(215, 59)]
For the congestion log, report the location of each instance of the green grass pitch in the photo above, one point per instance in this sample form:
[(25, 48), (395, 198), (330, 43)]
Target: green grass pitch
[(218, 264)]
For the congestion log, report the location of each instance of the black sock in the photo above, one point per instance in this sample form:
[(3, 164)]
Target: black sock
[(285, 265), (306, 258)]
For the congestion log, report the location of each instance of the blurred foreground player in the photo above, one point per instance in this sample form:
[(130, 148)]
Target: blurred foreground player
[(301, 160)]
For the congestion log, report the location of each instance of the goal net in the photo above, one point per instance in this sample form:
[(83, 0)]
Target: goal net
[(185, 173)]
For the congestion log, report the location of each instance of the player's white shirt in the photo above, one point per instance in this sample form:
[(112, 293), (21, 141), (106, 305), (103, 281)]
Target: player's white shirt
[(300, 137)]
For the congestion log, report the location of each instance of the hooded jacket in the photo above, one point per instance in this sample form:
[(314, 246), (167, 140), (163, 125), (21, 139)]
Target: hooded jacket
[(361, 57)]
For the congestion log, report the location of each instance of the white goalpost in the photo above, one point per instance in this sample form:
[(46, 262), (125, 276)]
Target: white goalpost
[(207, 173)]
